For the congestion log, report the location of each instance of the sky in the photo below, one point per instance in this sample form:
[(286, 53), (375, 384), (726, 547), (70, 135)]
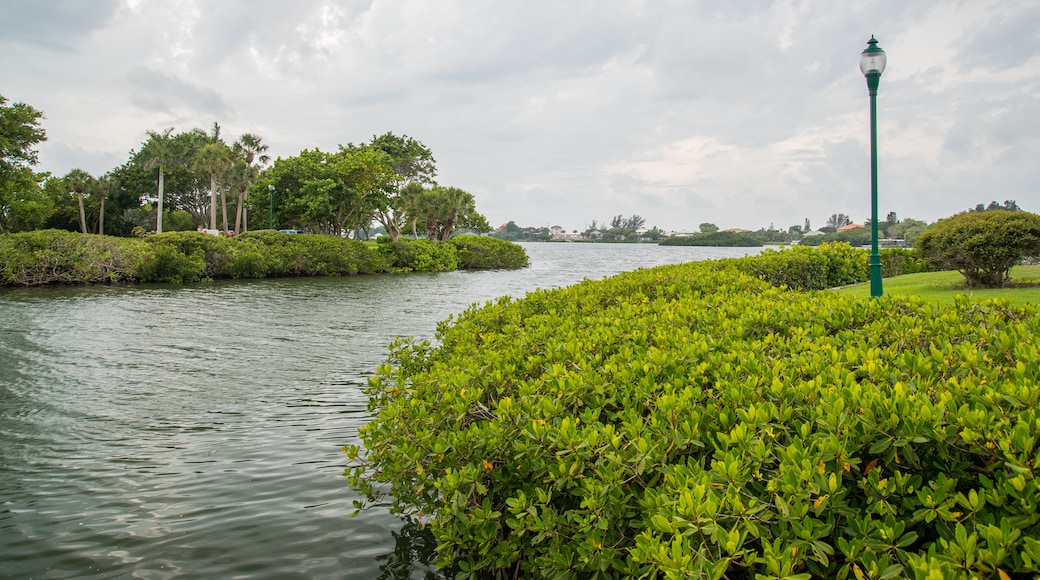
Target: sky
[(742, 113)]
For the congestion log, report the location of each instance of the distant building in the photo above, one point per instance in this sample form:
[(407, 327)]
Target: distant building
[(558, 233), (851, 227)]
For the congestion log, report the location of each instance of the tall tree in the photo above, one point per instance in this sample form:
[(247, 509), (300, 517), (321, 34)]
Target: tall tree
[(213, 160), (77, 181), (412, 163), (102, 188), (20, 192), (249, 149), (158, 151), (838, 220)]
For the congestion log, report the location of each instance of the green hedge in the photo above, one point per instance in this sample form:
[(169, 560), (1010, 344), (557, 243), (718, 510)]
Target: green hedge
[(694, 420), (484, 253), (419, 256), (61, 257)]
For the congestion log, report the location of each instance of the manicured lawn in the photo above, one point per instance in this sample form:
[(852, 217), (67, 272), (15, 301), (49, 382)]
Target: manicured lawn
[(945, 286)]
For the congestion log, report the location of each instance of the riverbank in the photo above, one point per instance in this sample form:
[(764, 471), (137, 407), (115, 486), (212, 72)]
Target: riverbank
[(59, 257)]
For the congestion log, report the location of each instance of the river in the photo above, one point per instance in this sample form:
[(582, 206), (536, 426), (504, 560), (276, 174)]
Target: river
[(161, 431)]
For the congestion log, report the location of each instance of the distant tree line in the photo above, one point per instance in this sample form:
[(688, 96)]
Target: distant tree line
[(197, 179)]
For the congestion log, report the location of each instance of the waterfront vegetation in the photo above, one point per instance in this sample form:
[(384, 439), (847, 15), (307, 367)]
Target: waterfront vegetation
[(719, 419), (59, 257)]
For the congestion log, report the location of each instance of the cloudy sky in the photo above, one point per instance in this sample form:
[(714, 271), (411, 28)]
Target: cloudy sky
[(743, 113)]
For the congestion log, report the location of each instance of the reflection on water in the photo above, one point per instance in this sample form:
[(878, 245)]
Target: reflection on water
[(165, 431)]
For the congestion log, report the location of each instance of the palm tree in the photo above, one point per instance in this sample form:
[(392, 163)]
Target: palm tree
[(457, 203), (249, 148), (158, 152), (102, 186), (214, 159), (77, 182)]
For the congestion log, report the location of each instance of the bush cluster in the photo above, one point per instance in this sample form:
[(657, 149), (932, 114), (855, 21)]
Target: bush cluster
[(60, 257), (695, 420), (982, 246), (483, 253), (420, 256)]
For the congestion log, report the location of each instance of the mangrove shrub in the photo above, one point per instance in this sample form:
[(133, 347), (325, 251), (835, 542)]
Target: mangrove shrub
[(483, 253), (695, 420)]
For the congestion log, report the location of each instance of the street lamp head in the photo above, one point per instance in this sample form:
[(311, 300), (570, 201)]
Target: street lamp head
[(270, 188), (872, 60)]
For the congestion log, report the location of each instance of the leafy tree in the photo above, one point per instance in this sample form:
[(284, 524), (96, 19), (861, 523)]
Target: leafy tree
[(891, 218), (908, 229), (982, 246), (795, 230), (807, 227), (654, 234), (1009, 205), (21, 199), (329, 192), (413, 168), (708, 228)]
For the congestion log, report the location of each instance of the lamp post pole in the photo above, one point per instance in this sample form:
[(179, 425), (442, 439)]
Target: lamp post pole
[(270, 213), (872, 63)]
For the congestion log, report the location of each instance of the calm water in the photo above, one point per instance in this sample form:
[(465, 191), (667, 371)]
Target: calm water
[(195, 431)]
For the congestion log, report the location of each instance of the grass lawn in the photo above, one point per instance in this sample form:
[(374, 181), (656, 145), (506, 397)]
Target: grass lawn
[(944, 286)]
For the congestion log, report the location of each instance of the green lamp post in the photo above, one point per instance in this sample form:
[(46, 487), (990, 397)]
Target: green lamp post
[(270, 213), (872, 63)]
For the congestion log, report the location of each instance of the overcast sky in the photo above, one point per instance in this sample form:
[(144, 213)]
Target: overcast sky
[(743, 113)]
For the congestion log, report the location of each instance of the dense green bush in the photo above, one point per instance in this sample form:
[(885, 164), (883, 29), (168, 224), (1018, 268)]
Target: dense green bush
[(982, 246), (484, 253), (420, 256), (714, 239), (61, 257), (900, 261), (806, 268), (694, 420)]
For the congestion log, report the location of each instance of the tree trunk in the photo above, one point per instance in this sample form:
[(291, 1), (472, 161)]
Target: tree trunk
[(238, 212), (158, 213), (212, 201), (223, 209), (82, 216), (101, 219)]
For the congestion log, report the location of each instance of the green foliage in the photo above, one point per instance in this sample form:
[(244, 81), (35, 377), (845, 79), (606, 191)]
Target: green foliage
[(717, 239), (900, 261), (693, 420), (420, 256), (853, 237), (804, 268), (483, 253), (21, 200), (982, 246), (60, 257)]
